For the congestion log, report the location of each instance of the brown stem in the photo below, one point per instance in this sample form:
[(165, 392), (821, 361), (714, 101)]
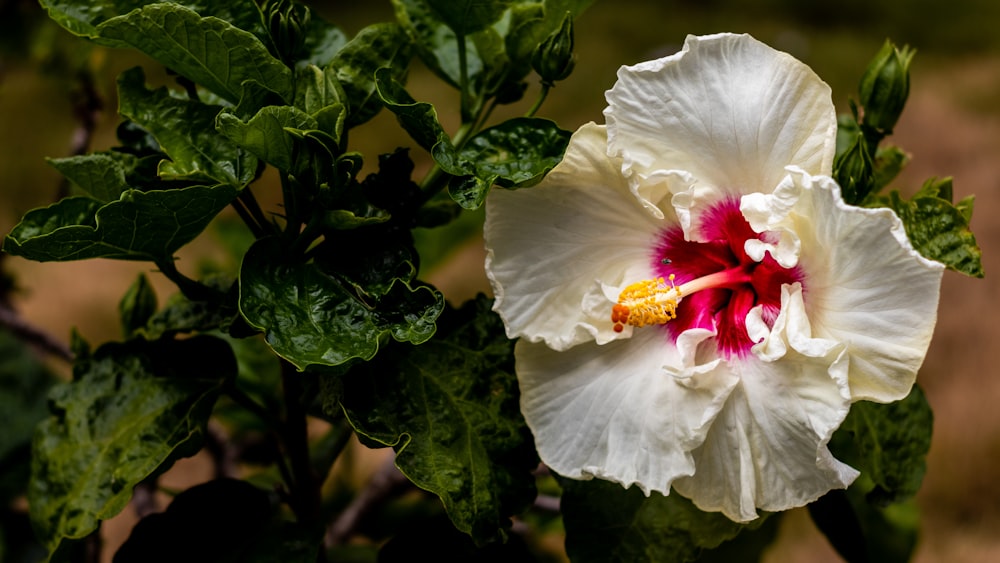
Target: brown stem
[(32, 334), (384, 484), (304, 489)]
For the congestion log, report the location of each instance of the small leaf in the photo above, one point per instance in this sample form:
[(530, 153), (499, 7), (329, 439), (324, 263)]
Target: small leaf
[(181, 315), (266, 134), (419, 119), (310, 317), (137, 306), (937, 229), (185, 130), (889, 162), (130, 412), (608, 523), (317, 89), (450, 410), (378, 46), (140, 226), (102, 174), (209, 51)]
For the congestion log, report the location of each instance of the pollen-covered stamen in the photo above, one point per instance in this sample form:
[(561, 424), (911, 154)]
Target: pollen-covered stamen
[(645, 303), (651, 302)]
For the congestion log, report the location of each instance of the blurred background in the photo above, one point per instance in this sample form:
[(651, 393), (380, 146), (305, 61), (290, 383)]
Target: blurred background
[(52, 83)]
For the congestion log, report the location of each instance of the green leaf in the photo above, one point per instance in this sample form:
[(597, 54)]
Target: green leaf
[(608, 523), (185, 130), (938, 229), (450, 410), (889, 162), (516, 153), (24, 384), (419, 119), (378, 46), (130, 412), (102, 174), (181, 315), (888, 443), (310, 317), (468, 16), (82, 17), (436, 43), (207, 50), (137, 306), (140, 226), (323, 41), (317, 89), (266, 135)]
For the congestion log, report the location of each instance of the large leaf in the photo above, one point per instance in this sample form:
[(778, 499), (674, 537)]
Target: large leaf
[(381, 45), (209, 51), (310, 317), (140, 226), (185, 130), (130, 412), (938, 229), (102, 174), (450, 410), (83, 16), (607, 523)]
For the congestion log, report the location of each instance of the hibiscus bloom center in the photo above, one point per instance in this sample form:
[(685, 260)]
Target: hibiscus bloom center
[(710, 284)]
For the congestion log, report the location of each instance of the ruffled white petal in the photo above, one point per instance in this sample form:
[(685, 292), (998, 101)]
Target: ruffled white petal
[(727, 109), (559, 253), (865, 284), (614, 412), (767, 447)]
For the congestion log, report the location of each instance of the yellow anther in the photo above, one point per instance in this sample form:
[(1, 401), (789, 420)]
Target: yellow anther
[(644, 303)]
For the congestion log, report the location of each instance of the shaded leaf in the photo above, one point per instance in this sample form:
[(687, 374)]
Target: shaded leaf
[(310, 317), (185, 130), (101, 174), (137, 306), (130, 412), (140, 226), (436, 539), (608, 523), (207, 50), (378, 46), (323, 41), (468, 16), (450, 410), (835, 518), (436, 43), (182, 315), (317, 89), (419, 119), (24, 384)]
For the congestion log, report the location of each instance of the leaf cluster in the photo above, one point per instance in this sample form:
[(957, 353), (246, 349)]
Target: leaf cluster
[(329, 287)]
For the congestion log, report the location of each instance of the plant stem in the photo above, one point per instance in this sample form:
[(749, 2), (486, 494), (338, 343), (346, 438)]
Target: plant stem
[(463, 79), (248, 219), (383, 485), (541, 98), (246, 196), (191, 289), (305, 487)]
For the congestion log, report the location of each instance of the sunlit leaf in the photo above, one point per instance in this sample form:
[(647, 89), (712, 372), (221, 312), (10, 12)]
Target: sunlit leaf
[(185, 130), (101, 174), (449, 408), (419, 119), (309, 317), (130, 412), (266, 135), (140, 226), (207, 50)]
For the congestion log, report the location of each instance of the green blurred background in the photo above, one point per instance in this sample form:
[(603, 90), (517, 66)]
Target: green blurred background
[(951, 127)]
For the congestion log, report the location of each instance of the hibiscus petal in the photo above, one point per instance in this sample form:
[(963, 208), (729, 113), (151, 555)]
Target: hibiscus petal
[(767, 448), (613, 411), (865, 286), (559, 253), (727, 109)]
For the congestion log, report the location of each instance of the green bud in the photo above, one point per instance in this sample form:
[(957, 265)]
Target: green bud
[(885, 86), (553, 58), (853, 170), (287, 23)]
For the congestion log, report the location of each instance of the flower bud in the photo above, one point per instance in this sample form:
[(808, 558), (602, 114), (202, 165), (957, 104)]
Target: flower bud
[(287, 24), (553, 58), (853, 170), (885, 87)]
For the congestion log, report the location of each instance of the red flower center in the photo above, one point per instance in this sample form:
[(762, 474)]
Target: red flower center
[(717, 282)]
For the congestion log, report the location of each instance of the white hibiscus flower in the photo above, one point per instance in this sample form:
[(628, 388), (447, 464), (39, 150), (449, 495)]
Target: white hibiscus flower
[(697, 307)]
